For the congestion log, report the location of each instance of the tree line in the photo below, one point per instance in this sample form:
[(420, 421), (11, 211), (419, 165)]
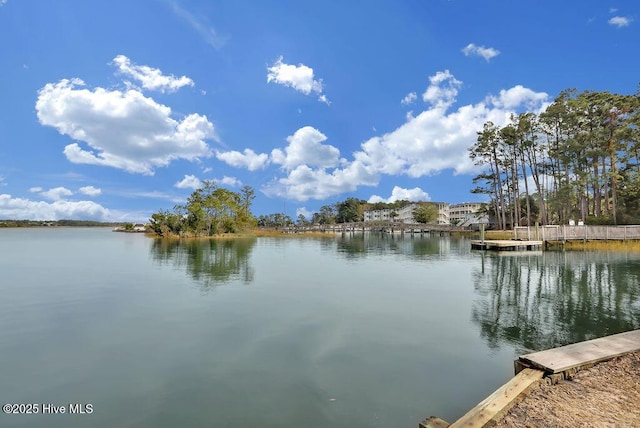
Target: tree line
[(578, 159), (210, 210), (350, 210)]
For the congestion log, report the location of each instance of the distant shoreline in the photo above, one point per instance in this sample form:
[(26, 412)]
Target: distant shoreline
[(629, 245), (2, 226)]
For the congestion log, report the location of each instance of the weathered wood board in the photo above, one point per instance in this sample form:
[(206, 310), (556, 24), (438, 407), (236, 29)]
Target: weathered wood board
[(498, 403), (587, 353)]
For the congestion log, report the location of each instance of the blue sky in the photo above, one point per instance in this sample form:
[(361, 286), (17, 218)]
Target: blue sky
[(112, 110)]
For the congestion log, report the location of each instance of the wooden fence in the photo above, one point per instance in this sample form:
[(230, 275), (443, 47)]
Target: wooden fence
[(582, 233)]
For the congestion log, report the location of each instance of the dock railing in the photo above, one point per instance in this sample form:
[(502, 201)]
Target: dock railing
[(573, 233)]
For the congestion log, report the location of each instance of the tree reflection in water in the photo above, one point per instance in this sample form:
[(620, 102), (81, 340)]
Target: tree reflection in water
[(209, 261), (550, 299)]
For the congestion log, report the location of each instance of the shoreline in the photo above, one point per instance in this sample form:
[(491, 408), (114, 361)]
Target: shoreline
[(584, 246), (607, 394), (594, 381), (254, 233)]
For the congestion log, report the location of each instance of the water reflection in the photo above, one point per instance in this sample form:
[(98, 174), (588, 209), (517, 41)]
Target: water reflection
[(358, 245), (210, 262), (544, 300)]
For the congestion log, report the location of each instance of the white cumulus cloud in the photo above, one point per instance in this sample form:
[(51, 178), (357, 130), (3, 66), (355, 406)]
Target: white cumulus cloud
[(188, 182), (247, 159), (399, 194), (620, 21), (150, 78), (305, 147), (474, 50), (437, 138), (519, 96), (231, 181), (20, 208), (442, 90), (56, 193), (315, 170), (90, 191), (36, 189), (124, 130), (299, 77), (304, 183)]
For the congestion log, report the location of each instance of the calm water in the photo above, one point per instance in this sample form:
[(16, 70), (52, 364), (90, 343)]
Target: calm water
[(338, 332)]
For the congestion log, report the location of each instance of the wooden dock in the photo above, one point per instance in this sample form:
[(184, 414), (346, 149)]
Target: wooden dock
[(551, 366), (580, 355), (506, 245), (498, 403)]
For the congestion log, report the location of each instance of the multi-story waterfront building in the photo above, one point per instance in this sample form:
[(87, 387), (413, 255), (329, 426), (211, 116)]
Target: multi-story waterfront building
[(443, 212), (459, 213), (377, 215), (405, 214), (447, 214)]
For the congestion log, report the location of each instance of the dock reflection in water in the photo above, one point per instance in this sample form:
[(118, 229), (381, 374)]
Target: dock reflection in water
[(361, 245), (544, 300)]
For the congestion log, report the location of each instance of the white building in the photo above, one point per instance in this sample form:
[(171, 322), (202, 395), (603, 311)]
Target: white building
[(405, 214), (460, 213), (443, 212), (377, 215)]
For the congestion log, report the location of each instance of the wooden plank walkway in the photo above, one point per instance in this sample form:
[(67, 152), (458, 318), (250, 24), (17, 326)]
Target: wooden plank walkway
[(506, 245), (558, 360), (553, 364), (498, 403)]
